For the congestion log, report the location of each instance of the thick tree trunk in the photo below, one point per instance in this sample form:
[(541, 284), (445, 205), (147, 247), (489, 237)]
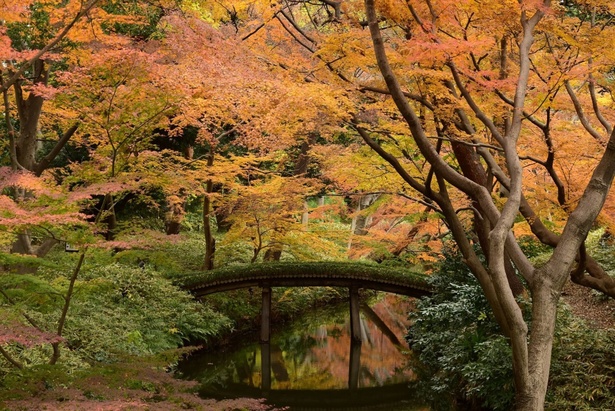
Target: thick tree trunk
[(531, 396), (471, 167), (26, 145)]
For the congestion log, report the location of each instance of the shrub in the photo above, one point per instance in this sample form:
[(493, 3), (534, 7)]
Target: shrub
[(130, 310), (460, 357), (462, 360), (583, 368), (115, 311)]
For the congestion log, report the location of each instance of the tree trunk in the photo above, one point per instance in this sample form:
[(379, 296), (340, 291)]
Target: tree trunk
[(29, 112), (531, 396), (273, 253), (222, 219), (67, 300), (301, 169), (361, 222), (26, 146), (174, 215), (107, 214), (210, 241), (305, 216)]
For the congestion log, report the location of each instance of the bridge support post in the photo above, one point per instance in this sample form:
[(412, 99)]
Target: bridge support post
[(355, 319), (266, 315)]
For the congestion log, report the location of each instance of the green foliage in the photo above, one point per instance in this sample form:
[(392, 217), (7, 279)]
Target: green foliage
[(145, 19), (234, 253), (461, 357), (130, 310), (583, 367), (115, 311), (27, 382), (30, 292), (186, 254), (532, 247), (34, 34), (22, 260), (601, 247)]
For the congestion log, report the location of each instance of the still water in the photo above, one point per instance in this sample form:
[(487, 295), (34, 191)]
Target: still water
[(312, 364)]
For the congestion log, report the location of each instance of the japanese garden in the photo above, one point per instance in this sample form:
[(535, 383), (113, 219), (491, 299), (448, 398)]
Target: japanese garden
[(307, 204)]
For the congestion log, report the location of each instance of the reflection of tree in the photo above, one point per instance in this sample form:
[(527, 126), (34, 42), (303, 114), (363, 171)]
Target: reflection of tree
[(244, 367), (382, 326), (297, 346), (278, 365), (335, 332), (382, 362)]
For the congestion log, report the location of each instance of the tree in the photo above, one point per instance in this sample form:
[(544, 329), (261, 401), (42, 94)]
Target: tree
[(31, 33), (531, 358), (121, 101), (266, 218), (238, 107), (40, 41)]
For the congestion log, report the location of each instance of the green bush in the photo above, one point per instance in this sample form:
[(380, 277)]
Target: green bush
[(132, 310), (463, 362), (115, 311), (583, 369), (460, 357), (186, 253)]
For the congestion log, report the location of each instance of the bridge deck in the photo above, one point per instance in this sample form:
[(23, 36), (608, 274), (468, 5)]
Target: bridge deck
[(340, 274)]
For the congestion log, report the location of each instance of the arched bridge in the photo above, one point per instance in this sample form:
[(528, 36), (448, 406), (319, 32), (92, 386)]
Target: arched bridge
[(307, 274), (338, 274)]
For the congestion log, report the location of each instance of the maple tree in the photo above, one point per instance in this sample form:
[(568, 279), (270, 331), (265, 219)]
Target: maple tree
[(530, 359), (41, 42), (30, 46), (244, 115)]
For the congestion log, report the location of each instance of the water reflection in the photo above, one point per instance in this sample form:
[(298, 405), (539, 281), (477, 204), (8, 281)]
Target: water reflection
[(315, 358)]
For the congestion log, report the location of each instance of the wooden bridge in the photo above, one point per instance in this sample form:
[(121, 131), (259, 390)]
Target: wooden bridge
[(354, 276), (307, 274)]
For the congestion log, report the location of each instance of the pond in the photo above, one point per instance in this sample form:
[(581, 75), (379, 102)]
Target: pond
[(312, 364)]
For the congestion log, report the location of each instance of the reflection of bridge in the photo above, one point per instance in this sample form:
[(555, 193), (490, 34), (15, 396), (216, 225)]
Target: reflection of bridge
[(337, 274)]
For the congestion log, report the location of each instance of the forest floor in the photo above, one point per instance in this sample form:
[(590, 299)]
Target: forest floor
[(597, 311), (121, 387)]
